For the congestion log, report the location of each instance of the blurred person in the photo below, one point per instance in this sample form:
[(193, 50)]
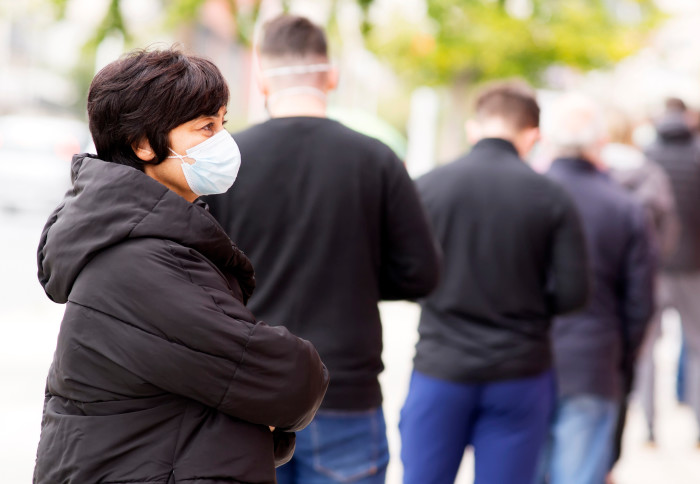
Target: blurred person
[(514, 256), (649, 184), (333, 224), (677, 151), (161, 373), (593, 346)]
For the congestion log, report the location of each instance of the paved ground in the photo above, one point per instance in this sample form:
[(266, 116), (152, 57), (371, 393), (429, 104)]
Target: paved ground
[(30, 324)]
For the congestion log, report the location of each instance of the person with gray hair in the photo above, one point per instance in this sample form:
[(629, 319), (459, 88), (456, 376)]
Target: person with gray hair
[(592, 346)]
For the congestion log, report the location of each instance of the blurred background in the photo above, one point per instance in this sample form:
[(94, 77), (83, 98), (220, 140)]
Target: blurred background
[(408, 71)]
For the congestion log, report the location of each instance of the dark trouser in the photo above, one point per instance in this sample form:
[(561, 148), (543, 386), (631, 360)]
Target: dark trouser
[(682, 292), (628, 382), (506, 422)]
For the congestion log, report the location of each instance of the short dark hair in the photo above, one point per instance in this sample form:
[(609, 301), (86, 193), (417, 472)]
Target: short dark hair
[(293, 36), (146, 94), (675, 105), (512, 101)]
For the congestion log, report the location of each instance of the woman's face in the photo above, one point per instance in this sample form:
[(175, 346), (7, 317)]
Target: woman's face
[(183, 137), (191, 133)]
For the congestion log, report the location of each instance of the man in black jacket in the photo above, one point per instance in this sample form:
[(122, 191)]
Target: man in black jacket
[(593, 348), (333, 224), (677, 150), (513, 257)]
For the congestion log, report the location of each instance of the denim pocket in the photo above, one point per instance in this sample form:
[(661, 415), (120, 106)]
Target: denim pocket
[(349, 446)]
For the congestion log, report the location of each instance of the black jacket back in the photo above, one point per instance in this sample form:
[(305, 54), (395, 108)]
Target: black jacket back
[(594, 345), (333, 224), (678, 152), (513, 257), (161, 374)]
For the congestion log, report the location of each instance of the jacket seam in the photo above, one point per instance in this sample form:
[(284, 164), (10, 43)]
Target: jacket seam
[(112, 317), (149, 212), (169, 245), (238, 365), (177, 442)]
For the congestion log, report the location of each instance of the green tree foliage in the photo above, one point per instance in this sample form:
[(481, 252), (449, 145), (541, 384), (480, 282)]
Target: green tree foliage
[(476, 40), (186, 12)]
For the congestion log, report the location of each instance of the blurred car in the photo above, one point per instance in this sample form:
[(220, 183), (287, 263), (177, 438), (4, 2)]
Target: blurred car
[(35, 154)]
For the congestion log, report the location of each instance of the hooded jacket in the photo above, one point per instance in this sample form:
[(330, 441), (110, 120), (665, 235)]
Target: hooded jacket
[(650, 185), (678, 152), (161, 374)]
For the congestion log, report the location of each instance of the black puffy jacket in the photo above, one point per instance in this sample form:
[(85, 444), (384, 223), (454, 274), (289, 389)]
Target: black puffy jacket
[(678, 152), (161, 374)]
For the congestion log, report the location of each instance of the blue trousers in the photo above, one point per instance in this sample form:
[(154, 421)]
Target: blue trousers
[(581, 441), (506, 421), (339, 446)]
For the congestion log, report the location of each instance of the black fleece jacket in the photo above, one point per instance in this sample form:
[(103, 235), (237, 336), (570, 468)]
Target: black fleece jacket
[(333, 224), (161, 374), (514, 257)]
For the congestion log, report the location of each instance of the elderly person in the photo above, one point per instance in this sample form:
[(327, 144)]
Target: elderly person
[(594, 345), (161, 374)]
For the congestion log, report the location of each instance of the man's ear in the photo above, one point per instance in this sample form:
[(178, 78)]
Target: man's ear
[(260, 79), (143, 149), (531, 137), (473, 131), (332, 78)]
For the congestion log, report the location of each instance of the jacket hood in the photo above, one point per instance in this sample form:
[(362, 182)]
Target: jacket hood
[(111, 203), (673, 126), (618, 156)]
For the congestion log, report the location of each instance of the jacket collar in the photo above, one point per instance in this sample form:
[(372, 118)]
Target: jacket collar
[(574, 164), (497, 144), (110, 204)]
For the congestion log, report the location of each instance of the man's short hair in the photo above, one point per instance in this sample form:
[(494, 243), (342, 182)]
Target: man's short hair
[(512, 101), (675, 105), (146, 94), (293, 36)]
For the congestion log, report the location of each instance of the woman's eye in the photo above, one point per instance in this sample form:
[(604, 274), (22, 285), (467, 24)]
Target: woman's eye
[(209, 127), (224, 122)]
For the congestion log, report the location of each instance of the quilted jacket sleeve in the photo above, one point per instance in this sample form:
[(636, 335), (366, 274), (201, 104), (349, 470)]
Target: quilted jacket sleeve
[(168, 316)]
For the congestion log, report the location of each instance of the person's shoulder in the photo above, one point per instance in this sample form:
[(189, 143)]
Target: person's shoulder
[(356, 142), (451, 171)]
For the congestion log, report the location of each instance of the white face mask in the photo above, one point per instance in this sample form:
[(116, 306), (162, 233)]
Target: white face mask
[(216, 164)]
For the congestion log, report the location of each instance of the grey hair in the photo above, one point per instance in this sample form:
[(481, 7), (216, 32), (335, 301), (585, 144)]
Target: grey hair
[(574, 125)]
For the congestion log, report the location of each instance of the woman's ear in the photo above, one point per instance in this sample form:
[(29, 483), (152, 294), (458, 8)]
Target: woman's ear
[(143, 150)]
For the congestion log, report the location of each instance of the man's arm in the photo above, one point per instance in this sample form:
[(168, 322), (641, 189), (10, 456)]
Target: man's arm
[(638, 279), (569, 276), (410, 265)]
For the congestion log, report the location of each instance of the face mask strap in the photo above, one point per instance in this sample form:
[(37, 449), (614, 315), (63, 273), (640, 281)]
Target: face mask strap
[(296, 70), (182, 158)]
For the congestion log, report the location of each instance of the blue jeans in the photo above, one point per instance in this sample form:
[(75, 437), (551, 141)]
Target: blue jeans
[(339, 446), (581, 441), (506, 422)]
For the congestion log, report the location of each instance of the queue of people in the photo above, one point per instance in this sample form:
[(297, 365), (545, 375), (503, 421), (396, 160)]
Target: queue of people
[(540, 294)]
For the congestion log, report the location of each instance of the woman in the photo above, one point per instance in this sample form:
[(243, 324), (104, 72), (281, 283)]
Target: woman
[(161, 374)]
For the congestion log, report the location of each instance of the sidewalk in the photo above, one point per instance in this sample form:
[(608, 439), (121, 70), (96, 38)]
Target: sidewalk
[(674, 460)]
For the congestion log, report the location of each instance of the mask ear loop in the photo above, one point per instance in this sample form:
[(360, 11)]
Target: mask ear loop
[(182, 157)]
